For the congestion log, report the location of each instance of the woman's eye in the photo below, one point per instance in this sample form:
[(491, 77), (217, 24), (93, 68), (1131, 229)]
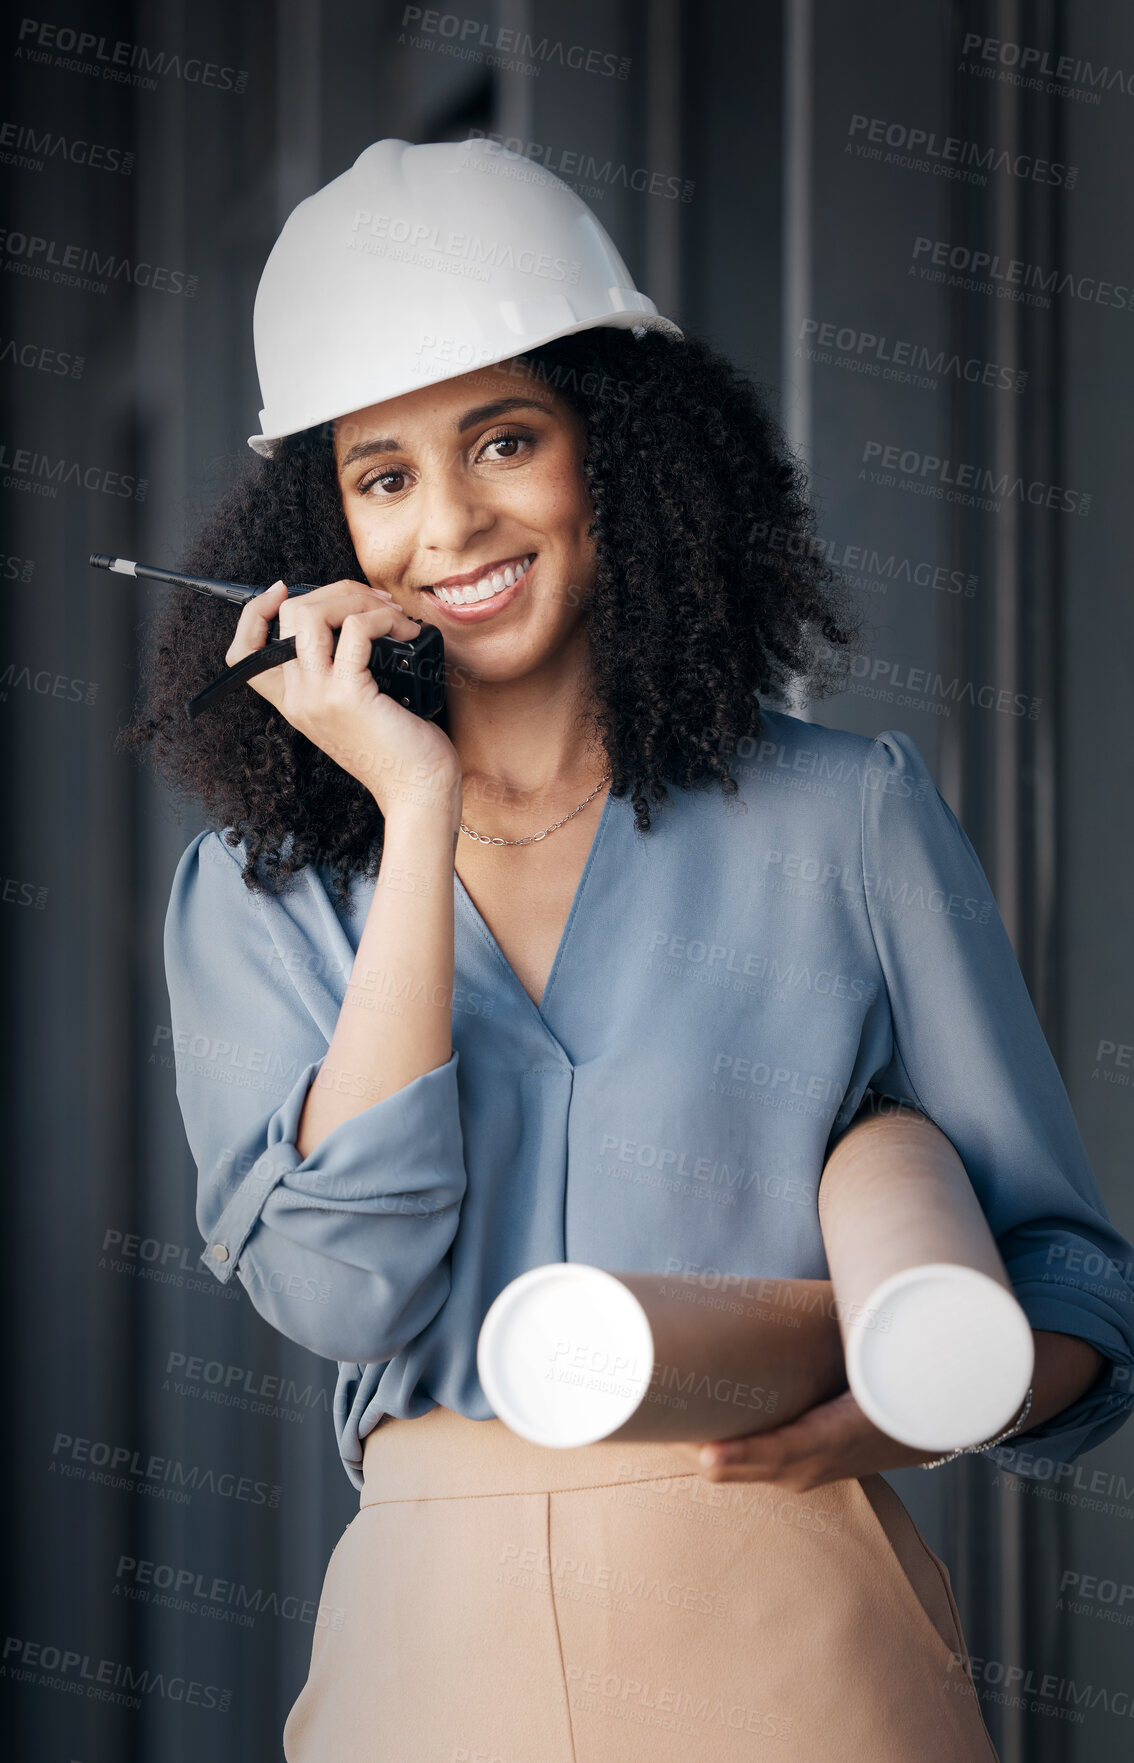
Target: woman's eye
[(383, 478), (509, 440)]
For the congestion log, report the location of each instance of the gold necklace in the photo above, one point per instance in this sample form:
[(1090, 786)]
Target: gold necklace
[(483, 838)]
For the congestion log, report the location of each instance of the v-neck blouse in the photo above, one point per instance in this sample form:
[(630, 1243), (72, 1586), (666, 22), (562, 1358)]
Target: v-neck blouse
[(463, 902), (726, 990)]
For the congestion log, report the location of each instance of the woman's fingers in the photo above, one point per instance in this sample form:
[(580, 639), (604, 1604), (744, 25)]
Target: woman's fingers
[(334, 630), (311, 620), (761, 1454), (827, 1443), (357, 634), (312, 627), (252, 626)]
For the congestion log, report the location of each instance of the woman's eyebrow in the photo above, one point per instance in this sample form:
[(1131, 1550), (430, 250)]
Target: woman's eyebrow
[(482, 413), (363, 450), (486, 412)]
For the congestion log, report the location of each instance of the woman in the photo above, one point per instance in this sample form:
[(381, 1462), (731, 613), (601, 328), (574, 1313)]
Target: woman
[(546, 1027)]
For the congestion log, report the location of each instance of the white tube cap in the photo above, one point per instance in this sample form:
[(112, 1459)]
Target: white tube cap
[(940, 1357), (565, 1354)]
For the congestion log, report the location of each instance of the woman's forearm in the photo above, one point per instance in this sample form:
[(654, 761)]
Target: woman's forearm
[(395, 1023), (1065, 1366), (1065, 1369)]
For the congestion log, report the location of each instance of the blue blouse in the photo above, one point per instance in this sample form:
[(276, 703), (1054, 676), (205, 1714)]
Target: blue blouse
[(726, 989)]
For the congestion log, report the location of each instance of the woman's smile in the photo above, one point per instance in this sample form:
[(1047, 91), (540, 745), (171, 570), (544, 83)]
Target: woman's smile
[(482, 593)]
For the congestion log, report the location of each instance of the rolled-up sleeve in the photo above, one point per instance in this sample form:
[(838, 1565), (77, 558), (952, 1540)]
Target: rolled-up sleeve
[(968, 1051), (346, 1250)]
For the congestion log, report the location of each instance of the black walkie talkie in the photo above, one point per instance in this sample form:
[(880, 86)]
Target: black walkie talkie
[(411, 671)]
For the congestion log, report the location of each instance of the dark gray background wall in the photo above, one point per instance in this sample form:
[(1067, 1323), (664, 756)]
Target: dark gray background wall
[(787, 226)]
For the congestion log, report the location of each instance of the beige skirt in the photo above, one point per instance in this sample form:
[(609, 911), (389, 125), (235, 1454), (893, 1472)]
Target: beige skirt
[(496, 1602)]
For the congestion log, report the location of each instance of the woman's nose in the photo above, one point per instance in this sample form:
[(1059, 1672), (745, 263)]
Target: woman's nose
[(451, 510)]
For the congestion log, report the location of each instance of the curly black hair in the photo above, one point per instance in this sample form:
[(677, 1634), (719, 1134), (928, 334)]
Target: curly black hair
[(711, 591)]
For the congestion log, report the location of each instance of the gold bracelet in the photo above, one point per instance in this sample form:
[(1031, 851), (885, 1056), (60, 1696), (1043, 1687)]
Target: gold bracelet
[(966, 1450)]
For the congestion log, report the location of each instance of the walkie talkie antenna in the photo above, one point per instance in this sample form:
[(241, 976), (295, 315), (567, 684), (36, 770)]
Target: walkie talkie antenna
[(237, 592)]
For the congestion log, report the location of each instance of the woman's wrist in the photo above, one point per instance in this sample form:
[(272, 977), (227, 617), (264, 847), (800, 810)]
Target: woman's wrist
[(1014, 1426), (418, 805), (419, 844)]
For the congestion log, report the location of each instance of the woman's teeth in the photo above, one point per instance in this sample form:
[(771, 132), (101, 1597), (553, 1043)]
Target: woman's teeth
[(487, 587)]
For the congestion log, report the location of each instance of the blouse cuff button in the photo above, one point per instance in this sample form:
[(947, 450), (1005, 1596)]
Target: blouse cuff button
[(220, 1253)]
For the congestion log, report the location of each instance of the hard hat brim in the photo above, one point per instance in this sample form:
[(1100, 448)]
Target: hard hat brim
[(265, 445)]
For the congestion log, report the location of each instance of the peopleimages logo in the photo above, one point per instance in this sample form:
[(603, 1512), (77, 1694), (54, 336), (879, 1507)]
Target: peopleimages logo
[(891, 358), (1042, 70), (46, 684), (917, 146), (203, 1594), (40, 358), (81, 266), (473, 254), (29, 151), (960, 475), (107, 1680), (579, 166), (227, 1061), (25, 468), (1011, 277), (1049, 1689), (758, 965), (469, 38), (123, 1466), (864, 564), (231, 1384), (128, 63)]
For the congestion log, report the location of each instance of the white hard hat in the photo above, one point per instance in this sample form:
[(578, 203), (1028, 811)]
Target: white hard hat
[(421, 263)]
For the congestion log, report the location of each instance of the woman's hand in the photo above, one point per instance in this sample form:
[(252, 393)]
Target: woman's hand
[(835, 1439), (829, 1443), (333, 698)]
